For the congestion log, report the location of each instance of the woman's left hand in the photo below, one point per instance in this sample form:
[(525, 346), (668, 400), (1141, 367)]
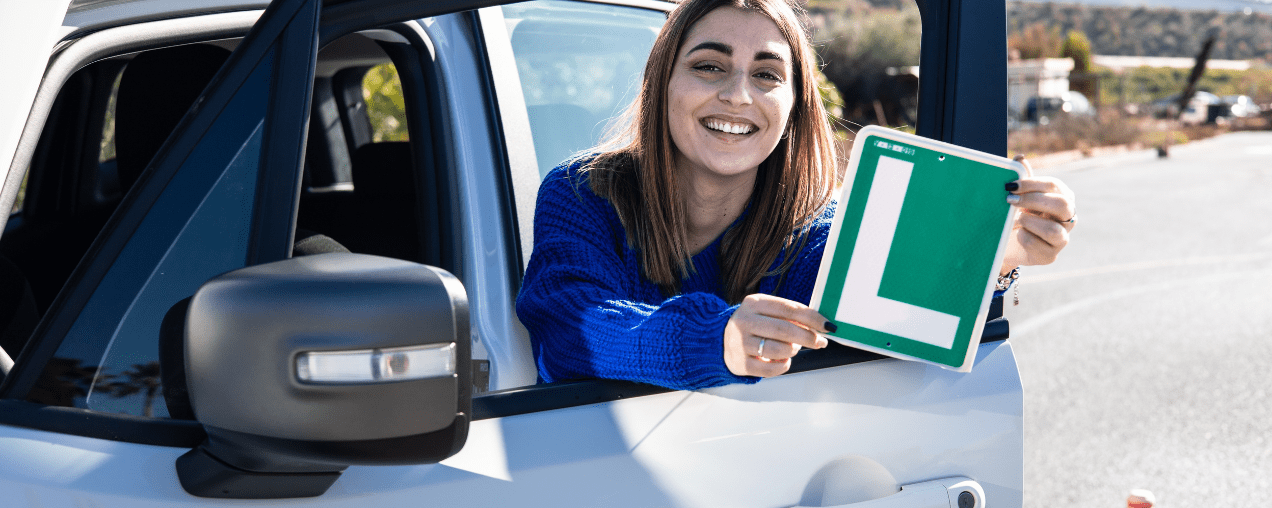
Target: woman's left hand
[(1047, 214)]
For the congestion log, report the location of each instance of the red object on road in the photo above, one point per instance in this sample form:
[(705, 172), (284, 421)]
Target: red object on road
[(1140, 498)]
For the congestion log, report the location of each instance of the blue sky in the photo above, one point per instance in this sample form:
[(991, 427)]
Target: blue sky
[(1223, 5)]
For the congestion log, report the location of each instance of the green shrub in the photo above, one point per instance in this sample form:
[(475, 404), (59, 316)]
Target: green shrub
[(1077, 47), (382, 91), (1159, 138)]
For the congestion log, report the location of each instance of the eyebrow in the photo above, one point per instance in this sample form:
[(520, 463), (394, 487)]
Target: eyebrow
[(713, 46), (768, 55), (728, 50)]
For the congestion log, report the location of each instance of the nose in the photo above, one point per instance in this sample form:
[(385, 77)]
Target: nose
[(733, 89)]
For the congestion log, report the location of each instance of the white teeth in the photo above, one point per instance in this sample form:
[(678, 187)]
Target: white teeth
[(731, 128)]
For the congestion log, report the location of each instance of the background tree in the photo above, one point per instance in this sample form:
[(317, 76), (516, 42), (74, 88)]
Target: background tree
[(62, 381), (143, 378), (382, 91), (830, 97), (1038, 40), (858, 45), (1078, 47)]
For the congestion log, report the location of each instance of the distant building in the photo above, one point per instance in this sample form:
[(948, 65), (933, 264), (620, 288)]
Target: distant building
[(1121, 63), (1049, 77), (1040, 77)]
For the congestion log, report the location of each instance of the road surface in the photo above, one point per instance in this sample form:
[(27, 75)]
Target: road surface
[(1146, 349)]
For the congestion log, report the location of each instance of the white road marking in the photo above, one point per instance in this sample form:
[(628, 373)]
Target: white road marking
[(1044, 318), (1147, 265)]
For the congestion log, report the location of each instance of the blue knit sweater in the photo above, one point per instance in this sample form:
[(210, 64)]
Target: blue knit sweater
[(591, 314)]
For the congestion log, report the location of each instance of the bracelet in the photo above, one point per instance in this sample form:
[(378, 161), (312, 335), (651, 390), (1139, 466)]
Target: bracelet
[(1008, 281)]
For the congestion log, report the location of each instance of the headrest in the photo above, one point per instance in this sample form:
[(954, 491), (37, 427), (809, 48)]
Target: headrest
[(383, 169), (156, 90)]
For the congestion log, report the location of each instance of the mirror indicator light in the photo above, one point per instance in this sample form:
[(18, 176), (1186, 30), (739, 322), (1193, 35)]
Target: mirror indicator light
[(369, 366)]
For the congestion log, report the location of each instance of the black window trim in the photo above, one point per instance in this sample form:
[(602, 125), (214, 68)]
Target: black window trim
[(568, 394), (425, 123)]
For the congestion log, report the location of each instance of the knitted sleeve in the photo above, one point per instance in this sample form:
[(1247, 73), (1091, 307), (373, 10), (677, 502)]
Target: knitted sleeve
[(580, 302)]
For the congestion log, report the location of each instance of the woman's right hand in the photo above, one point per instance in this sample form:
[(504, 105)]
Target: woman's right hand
[(766, 331)]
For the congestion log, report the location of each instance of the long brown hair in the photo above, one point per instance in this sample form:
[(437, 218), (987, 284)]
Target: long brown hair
[(636, 169)]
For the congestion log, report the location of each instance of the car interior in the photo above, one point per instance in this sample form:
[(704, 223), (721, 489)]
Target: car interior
[(112, 116)]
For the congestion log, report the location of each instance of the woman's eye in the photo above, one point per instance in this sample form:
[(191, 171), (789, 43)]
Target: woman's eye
[(769, 76), (707, 67)]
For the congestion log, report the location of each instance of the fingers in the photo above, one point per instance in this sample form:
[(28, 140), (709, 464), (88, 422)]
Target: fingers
[(766, 331), (1044, 195), (1041, 239), (1056, 207), (1049, 231), (1025, 162), (783, 331), (1041, 231), (772, 349), (767, 368), (788, 310), (1045, 184)]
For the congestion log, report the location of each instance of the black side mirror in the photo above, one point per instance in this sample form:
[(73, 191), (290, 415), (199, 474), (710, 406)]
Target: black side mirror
[(300, 368)]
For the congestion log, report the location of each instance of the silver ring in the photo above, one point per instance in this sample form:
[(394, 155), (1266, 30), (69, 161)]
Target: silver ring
[(760, 353), (1072, 219)]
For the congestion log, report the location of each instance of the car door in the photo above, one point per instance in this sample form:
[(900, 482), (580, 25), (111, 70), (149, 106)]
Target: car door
[(82, 413), (842, 427)]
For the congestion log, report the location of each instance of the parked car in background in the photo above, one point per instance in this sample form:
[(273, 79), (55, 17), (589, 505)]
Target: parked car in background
[(1043, 110), (179, 324), (1241, 106), (1197, 112)]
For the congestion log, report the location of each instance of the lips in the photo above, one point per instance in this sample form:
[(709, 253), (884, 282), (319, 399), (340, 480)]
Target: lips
[(729, 127)]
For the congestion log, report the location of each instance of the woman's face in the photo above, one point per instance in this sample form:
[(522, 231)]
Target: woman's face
[(731, 92)]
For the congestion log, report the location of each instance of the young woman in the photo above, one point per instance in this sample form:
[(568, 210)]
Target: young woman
[(684, 254)]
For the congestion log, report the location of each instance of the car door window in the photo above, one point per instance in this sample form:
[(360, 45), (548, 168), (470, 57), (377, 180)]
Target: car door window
[(580, 66), (201, 208), (174, 250)]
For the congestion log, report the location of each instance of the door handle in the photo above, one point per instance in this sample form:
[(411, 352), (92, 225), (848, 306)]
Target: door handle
[(953, 492)]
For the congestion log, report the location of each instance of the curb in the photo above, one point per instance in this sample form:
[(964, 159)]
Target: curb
[(1057, 158)]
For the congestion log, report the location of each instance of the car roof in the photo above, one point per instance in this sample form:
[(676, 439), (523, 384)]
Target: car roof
[(91, 15)]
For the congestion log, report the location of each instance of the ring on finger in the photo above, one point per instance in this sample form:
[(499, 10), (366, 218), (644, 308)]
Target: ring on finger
[(1071, 220), (760, 352)]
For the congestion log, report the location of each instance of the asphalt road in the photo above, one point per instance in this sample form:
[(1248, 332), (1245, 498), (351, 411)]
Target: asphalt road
[(1146, 349)]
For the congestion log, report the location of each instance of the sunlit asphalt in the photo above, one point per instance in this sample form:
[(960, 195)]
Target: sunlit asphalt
[(1146, 350)]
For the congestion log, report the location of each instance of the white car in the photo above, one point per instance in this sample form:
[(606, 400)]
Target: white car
[(1242, 106), (1195, 114), (164, 342)]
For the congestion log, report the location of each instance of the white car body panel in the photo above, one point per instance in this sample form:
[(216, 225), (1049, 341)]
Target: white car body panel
[(484, 273), (736, 445)]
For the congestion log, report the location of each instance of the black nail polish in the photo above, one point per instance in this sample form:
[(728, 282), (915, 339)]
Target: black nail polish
[(831, 327), (1012, 186)]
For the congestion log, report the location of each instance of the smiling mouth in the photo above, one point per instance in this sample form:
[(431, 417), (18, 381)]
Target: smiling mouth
[(728, 127)]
